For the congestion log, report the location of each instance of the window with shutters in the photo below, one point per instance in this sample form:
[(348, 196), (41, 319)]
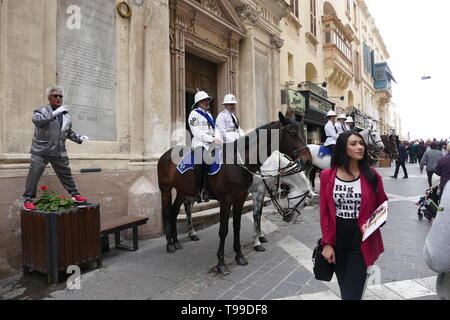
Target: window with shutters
[(294, 6), (348, 9), (312, 17), (290, 65), (335, 34), (357, 60)]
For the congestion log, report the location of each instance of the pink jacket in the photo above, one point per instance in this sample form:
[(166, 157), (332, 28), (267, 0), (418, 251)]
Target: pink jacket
[(372, 247)]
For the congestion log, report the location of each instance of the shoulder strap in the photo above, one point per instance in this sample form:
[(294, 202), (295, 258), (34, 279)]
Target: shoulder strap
[(207, 117)]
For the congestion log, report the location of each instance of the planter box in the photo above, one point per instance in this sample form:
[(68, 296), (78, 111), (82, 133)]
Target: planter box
[(53, 241)]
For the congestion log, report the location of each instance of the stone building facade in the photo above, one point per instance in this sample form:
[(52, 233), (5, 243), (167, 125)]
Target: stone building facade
[(129, 83), (337, 42)]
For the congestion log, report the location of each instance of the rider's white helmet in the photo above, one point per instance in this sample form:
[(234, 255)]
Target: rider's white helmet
[(342, 116), (229, 99), (349, 120), (331, 113), (199, 96)]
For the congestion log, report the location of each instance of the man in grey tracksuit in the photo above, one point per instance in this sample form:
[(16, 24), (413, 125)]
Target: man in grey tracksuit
[(52, 126)]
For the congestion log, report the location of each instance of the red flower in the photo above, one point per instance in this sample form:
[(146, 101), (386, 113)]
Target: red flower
[(62, 197), (43, 188)]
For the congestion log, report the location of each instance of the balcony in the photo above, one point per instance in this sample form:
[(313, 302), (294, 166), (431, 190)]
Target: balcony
[(383, 86), (337, 51), (306, 85)]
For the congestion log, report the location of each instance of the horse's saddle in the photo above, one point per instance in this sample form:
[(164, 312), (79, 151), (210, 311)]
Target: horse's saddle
[(324, 152), (188, 162)]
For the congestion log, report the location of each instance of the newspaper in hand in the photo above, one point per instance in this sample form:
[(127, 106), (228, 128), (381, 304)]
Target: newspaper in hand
[(376, 220)]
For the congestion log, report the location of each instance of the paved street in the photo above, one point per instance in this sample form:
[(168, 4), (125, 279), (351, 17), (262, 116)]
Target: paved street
[(283, 271)]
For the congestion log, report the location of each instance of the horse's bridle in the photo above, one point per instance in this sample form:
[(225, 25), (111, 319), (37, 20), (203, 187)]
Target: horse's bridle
[(375, 142), (297, 153)]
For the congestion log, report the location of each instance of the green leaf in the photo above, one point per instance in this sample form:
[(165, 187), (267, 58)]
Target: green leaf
[(54, 207)]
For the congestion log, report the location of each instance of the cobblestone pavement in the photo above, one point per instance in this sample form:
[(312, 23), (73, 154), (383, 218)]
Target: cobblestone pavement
[(283, 271)]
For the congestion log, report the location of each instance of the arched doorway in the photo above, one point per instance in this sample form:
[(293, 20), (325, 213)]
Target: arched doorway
[(351, 103), (311, 73), (328, 9)]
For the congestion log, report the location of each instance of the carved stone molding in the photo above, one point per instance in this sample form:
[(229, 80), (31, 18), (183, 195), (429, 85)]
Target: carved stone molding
[(212, 6), (248, 12), (277, 41)]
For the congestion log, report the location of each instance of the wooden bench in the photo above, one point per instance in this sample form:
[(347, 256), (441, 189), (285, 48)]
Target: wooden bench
[(115, 225)]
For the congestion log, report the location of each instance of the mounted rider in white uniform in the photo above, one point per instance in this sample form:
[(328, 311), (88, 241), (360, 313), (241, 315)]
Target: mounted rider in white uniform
[(340, 124), (349, 123), (205, 135), (331, 131), (227, 121)]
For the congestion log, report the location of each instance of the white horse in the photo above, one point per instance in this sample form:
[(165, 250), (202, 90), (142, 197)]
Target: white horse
[(274, 174), (275, 169), (371, 138)]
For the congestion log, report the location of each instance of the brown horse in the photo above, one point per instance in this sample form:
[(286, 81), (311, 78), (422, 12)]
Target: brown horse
[(390, 146), (231, 184)]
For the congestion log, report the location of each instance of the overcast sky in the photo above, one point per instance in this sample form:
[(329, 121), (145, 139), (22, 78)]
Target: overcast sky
[(415, 33)]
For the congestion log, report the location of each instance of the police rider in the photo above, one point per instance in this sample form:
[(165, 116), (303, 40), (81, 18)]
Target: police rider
[(349, 123), (331, 131), (227, 121), (340, 125), (205, 136)]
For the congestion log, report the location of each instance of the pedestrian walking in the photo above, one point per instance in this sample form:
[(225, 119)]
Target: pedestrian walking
[(436, 250), (401, 159), (444, 149), (430, 160), (350, 192), (52, 126), (443, 169), (421, 149)]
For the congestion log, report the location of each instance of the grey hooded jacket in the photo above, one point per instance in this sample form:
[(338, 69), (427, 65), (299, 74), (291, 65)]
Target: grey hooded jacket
[(437, 246), (49, 138)]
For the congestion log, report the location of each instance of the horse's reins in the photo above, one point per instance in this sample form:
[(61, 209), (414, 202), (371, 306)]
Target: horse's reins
[(294, 168), (277, 205)]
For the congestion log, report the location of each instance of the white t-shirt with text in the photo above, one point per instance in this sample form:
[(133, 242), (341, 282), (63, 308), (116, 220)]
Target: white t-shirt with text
[(347, 198)]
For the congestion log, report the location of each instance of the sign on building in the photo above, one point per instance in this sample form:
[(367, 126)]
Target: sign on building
[(86, 65)]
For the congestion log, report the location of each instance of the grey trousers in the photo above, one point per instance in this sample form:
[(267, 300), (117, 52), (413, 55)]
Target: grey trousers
[(61, 167)]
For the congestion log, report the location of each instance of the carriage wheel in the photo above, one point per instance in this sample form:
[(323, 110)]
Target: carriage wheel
[(420, 215)]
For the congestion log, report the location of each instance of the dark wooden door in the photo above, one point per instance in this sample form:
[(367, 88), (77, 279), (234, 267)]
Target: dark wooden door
[(202, 75)]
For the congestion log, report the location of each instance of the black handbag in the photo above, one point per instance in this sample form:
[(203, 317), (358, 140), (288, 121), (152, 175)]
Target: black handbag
[(322, 269)]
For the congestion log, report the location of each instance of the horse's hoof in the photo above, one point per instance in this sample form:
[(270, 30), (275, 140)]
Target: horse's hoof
[(178, 246), (170, 248), (223, 269), (259, 248), (240, 260), (263, 240), (195, 237)]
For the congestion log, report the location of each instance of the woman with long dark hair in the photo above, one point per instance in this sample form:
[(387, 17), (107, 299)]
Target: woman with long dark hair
[(350, 191)]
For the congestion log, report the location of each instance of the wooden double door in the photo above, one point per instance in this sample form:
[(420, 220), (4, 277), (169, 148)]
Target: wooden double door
[(202, 75)]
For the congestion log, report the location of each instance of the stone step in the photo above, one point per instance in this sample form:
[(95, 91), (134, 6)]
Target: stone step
[(207, 215)]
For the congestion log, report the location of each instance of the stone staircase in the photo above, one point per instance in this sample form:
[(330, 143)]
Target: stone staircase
[(207, 214)]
